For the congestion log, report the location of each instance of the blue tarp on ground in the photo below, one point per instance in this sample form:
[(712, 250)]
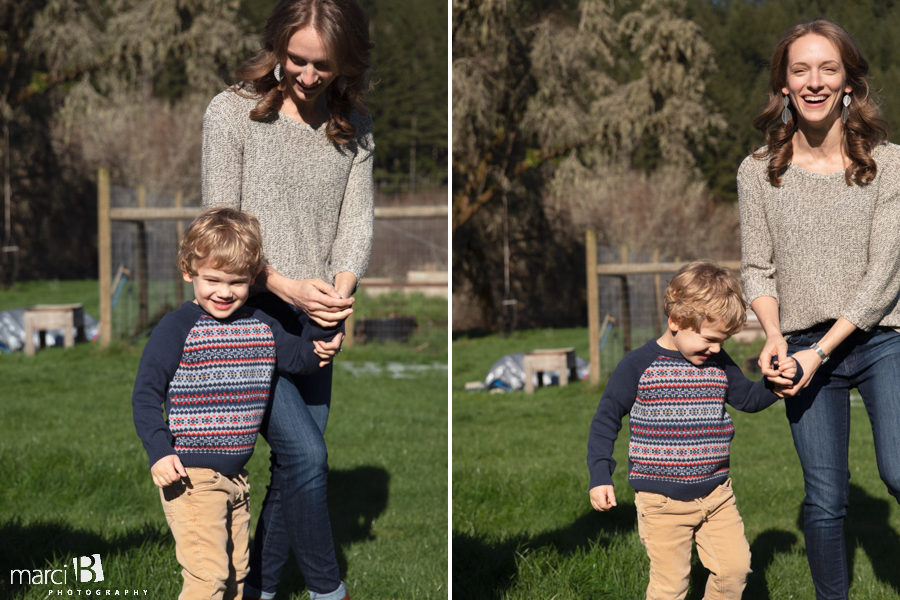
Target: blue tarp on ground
[(508, 373), (12, 331)]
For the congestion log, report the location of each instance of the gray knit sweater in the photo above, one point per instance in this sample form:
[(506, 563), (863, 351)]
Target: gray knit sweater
[(821, 248), (313, 199)]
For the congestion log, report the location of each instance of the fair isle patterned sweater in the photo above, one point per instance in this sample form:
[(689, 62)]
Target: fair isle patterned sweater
[(680, 430), (213, 377)]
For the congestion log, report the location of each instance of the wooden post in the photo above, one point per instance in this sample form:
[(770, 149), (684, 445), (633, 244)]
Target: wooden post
[(348, 330), (179, 233), (104, 256), (657, 298), (593, 306), (625, 304), (142, 265)]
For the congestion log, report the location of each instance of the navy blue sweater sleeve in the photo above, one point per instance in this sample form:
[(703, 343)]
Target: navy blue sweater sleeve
[(616, 402), (746, 395), (159, 362), (294, 349)]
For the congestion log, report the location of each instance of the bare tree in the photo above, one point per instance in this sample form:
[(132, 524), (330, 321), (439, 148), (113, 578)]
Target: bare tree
[(140, 114), (559, 113), (88, 83)]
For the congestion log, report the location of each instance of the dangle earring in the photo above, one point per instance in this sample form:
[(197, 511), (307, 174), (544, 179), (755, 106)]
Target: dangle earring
[(277, 72), (786, 113), (845, 112)]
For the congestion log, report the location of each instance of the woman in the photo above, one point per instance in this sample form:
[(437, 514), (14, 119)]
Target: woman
[(292, 144), (820, 209)]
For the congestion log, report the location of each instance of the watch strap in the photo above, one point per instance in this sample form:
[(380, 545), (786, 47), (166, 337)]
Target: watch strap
[(818, 350)]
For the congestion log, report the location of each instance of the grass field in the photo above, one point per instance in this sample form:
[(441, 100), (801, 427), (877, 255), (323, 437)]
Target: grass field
[(76, 483), (523, 527)]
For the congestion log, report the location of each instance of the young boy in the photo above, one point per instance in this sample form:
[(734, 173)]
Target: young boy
[(210, 364), (674, 390)]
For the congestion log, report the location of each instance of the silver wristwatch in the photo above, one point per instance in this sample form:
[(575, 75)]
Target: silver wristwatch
[(818, 350)]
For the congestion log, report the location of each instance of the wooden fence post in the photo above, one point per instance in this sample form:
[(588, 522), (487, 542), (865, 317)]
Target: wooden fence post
[(179, 233), (142, 265), (593, 306), (349, 324), (104, 257), (657, 297), (625, 304)]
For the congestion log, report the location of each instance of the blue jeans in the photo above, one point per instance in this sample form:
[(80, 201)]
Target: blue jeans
[(295, 509), (820, 424)]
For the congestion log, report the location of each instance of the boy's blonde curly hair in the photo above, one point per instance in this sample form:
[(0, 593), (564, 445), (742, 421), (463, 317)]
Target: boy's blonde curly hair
[(222, 238), (703, 291)]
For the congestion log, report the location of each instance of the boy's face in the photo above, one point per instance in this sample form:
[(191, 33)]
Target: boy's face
[(218, 292), (697, 346)]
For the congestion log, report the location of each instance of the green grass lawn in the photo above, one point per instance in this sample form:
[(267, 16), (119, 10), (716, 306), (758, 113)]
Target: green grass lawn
[(76, 481), (523, 526)]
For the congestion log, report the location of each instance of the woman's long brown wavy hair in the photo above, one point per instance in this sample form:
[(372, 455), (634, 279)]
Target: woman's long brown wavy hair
[(344, 29), (865, 127)]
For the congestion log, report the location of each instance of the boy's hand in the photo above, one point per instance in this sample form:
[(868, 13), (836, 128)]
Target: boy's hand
[(327, 349), (791, 369), (167, 471), (786, 367), (603, 497)]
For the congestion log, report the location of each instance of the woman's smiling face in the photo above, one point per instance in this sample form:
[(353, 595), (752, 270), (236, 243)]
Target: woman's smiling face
[(816, 79), (308, 67)]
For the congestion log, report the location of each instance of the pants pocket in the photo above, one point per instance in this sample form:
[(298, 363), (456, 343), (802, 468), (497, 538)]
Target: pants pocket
[(649, 503)]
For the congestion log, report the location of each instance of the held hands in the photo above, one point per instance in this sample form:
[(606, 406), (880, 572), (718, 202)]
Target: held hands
[(774, 349), (167, 471), (808, 362), (782, 370), (325, 304), (603, 497), (320, 301)]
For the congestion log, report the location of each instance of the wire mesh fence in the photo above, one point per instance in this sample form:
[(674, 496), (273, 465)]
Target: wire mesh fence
[(630, 289), (409, 254)]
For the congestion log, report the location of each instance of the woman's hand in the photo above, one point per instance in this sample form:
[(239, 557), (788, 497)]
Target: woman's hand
[(318, 299), (774, 348), (775, 352), (810, 360)]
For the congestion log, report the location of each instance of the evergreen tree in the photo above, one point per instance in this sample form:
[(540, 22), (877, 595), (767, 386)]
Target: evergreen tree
[(409, 98)]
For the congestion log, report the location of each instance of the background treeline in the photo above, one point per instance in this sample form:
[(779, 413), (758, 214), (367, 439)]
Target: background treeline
[(629, 117), (124, 84)]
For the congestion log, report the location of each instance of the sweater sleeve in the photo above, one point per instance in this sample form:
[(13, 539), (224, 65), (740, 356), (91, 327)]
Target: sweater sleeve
[(294, 349), (879, 289), (222, 157), (159, 362), (747, 395), (757, 249), (616, 402), (353, 240)]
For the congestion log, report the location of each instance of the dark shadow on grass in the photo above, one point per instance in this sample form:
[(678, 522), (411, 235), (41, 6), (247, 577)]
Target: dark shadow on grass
[(50, 544), (762, 553), (471, 334), (868, 526), (487, 569), (356, 497)]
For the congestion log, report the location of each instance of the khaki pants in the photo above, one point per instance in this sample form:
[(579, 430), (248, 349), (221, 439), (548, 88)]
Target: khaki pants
[(210, 519), (667, 529)]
